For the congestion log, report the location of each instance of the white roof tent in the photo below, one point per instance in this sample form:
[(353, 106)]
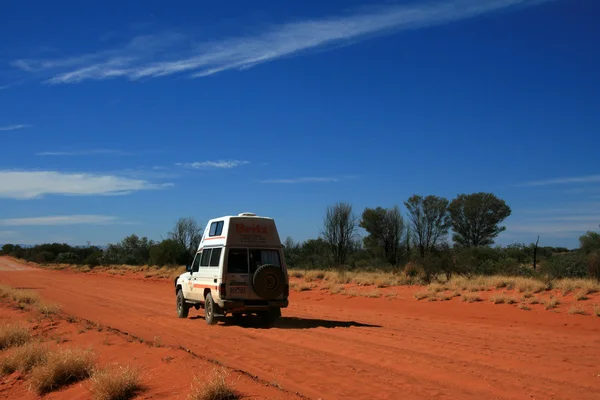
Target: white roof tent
[(244, 230)]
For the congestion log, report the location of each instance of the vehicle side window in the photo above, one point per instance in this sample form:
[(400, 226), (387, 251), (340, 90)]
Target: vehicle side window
[(237, 261), (215, 257), (205, 257), (196, 263), (216, 228)]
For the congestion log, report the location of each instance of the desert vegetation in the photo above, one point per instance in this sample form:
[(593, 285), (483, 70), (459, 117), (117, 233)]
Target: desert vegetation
[(437, 240)]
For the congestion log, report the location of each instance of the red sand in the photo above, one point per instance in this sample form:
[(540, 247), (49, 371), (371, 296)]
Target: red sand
[(329, 346)]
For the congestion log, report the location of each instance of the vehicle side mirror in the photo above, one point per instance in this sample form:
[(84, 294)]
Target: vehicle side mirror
[(188, 268)]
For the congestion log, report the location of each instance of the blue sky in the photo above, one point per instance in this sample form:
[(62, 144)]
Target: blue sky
[(120, 117)]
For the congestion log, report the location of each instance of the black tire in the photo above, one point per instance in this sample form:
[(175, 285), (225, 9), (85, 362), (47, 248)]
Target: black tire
[(268, 282), (209, 310), (183, 309), (269, 318)]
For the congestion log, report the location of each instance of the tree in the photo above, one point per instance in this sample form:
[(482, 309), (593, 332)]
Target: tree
[(385, 228), (429, 219), (187, 233), (476, 218), (339, 231), (168, 252)]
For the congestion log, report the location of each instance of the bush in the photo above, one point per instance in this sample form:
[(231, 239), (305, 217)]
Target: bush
[(216, 388), (115, 383), (168, 252), (67, 258), (570, 265), (93, 260), (24, 358), (62, 368), (593, 261), (13, 336)]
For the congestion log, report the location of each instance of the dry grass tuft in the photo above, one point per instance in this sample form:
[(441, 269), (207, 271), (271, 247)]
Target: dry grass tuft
[(25, 297), (498, 298), (62, 368), (48, 309), (303, 287), (551, 303), (587, 286), (444, 297), (373, 294), (421, 295), (471, 297), (6, 291), (296, 274), (312, 276), (13, 336), (530, 285), (596, 309), (524, 306), (533, 300), (581, 295), (577, 309), (437, 287), (215, 388), (120, 383), (24, 358), (527, 295), (336, 289)]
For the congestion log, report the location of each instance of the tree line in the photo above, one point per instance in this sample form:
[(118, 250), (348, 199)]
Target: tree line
[(435, 236)]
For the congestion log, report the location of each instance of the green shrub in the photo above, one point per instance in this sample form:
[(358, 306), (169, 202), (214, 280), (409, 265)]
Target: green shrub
[(570, 265)]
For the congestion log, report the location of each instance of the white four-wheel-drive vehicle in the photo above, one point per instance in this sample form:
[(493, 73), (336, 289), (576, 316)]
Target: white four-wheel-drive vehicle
[(239, 268)]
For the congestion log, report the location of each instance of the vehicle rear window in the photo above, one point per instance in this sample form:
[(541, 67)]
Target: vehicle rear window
[(261, 257), (237, 261)]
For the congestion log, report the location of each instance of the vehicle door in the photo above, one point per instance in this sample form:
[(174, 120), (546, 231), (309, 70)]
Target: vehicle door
[(189, 288), (237, 278), (208, 274)]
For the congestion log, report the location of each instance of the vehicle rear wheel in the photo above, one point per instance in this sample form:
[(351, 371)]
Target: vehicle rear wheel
[(209, 310), (183, 309)]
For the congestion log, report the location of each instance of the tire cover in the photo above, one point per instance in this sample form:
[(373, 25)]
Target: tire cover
[(268, 281)]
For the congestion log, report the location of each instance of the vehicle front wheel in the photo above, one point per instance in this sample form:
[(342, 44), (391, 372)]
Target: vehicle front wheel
[(183, 309), (209, 310)]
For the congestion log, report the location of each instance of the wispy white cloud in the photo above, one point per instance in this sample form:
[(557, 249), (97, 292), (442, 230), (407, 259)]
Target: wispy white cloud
[(301, 180), (565, 220), (84, 152), (14, 127), (162, 55), (78, 219), (213, 164), (35, 184), (564, 181)]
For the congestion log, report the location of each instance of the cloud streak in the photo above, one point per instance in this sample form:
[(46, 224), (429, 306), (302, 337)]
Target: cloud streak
[(84, 153), (78, 219), (14, 127), (155, 56), (301, 180), (213, 164), (22, 185), (564, 181)]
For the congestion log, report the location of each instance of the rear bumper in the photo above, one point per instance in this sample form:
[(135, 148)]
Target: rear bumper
[(251, 305)]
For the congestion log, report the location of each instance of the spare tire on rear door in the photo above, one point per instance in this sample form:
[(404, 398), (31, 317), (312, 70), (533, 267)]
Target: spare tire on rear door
[(268, 281)]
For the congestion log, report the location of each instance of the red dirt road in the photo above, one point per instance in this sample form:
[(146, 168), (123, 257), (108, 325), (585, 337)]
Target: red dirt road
[(328, 346)]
